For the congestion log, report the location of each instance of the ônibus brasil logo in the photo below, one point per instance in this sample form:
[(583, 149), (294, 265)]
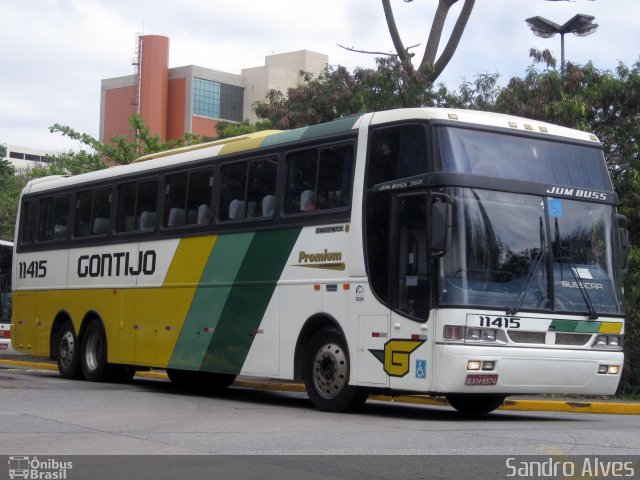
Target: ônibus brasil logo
[(36, 469)]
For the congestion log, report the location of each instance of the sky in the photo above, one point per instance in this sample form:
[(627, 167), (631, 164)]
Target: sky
[(54, 53)]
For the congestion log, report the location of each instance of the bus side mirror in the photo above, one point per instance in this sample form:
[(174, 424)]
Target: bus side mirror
[(623, 234), (440, 225)]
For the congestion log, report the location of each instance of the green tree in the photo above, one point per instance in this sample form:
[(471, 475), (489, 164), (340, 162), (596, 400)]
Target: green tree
[(232, 129), (338, 93), (10, 187), (121, 150)]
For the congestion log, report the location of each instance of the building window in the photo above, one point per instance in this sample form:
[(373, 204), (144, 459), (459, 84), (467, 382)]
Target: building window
[(206, 98), (217, 100)]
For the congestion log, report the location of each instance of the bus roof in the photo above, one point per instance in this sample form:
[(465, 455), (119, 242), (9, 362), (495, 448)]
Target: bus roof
[(488, 119), (270, 138)]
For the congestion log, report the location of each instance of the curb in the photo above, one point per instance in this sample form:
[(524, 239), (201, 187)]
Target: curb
[(612, 407)]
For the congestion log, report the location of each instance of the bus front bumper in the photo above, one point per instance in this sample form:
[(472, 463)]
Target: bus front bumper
[(509, 370)]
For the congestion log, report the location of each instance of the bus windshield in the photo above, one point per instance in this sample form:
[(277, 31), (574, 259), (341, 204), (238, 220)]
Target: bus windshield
[(514, 251), (522, 158)]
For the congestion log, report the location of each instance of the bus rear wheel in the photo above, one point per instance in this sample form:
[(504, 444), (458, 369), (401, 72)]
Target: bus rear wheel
[(68, 354), (475, 404), (326, 374), (94, 353)]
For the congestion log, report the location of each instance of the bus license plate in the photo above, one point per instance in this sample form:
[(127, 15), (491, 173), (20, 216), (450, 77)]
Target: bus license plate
[(481, 380)]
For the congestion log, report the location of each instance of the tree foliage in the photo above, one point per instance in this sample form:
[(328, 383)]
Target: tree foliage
[(337, 93), (121, 150), (10, 187), (92, 155), (232, 129)]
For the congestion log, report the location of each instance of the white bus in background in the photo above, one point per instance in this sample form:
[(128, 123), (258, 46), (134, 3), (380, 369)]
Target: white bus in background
[(434, 251), (6, 257)]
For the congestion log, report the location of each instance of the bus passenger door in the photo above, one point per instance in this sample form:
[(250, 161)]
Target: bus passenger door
[(407, 354)]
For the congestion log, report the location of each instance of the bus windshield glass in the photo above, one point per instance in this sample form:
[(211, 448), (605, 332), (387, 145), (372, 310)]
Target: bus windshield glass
[(525, 252), (514, 157)]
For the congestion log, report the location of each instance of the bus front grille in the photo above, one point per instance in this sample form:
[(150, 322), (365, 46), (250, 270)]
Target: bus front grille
[(527, 337)]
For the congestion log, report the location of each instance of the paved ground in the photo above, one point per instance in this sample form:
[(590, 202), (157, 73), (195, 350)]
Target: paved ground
[(542, 403)]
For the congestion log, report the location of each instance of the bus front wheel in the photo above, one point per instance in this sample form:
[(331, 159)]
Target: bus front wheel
[(68, 355), (475, 404), (326, 374)]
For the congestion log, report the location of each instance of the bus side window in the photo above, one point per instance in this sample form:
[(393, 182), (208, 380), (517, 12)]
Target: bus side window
[(53, 219), (234, 183), (396, 152), (93, 209), (27, 223), (335, 177), (175, 200), (137, 206), (199, 197), (319, 179), (261, 188), (248, 188)]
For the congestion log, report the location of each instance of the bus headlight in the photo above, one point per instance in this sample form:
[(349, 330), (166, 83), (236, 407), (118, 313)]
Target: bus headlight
[(612, 342), (474, 334), (458, 333)]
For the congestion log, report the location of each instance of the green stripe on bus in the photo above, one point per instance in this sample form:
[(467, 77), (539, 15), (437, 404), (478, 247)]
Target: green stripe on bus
[(574, 326), (283, 137), (588, 327), (337, 126), (248, 300), (209, 300)]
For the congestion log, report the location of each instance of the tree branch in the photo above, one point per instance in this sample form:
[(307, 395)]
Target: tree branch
[(435, 34), (403, 55), (387, 54), (454, 39)]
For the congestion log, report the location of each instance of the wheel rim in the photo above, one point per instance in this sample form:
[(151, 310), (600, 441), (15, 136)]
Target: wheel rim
[(67, 349), (330, 370), (92, 352)]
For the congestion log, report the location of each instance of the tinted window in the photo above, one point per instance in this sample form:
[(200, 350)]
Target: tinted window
[(188, 198), (522, 158), (137, 206), (27, 222), (93, 208), (397, 152), (248, 189), (53, 219), (319, 179)]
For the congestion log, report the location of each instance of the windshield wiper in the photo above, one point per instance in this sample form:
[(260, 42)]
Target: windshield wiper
[(593, 315), (519, 300)]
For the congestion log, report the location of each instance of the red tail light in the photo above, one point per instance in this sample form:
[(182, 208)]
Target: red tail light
[(5, 333)]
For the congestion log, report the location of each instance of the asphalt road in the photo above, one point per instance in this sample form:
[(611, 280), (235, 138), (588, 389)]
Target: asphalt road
[(42, 413), (150, 430)]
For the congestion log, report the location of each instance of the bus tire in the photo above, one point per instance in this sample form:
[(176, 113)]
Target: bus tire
[(68, 353), (475, 404), (326, 374), (93, 356)]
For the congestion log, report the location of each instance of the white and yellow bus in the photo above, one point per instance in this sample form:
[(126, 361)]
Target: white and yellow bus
[(445, 252)]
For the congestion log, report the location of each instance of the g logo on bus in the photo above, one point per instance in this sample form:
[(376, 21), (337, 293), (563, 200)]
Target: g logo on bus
[(395, 356)]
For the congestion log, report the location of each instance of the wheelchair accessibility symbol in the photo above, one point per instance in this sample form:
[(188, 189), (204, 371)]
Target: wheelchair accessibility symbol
[(421, 369)]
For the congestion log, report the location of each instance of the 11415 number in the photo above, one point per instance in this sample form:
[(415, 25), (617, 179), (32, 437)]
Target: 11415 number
[(500, 322), (34, 269)]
